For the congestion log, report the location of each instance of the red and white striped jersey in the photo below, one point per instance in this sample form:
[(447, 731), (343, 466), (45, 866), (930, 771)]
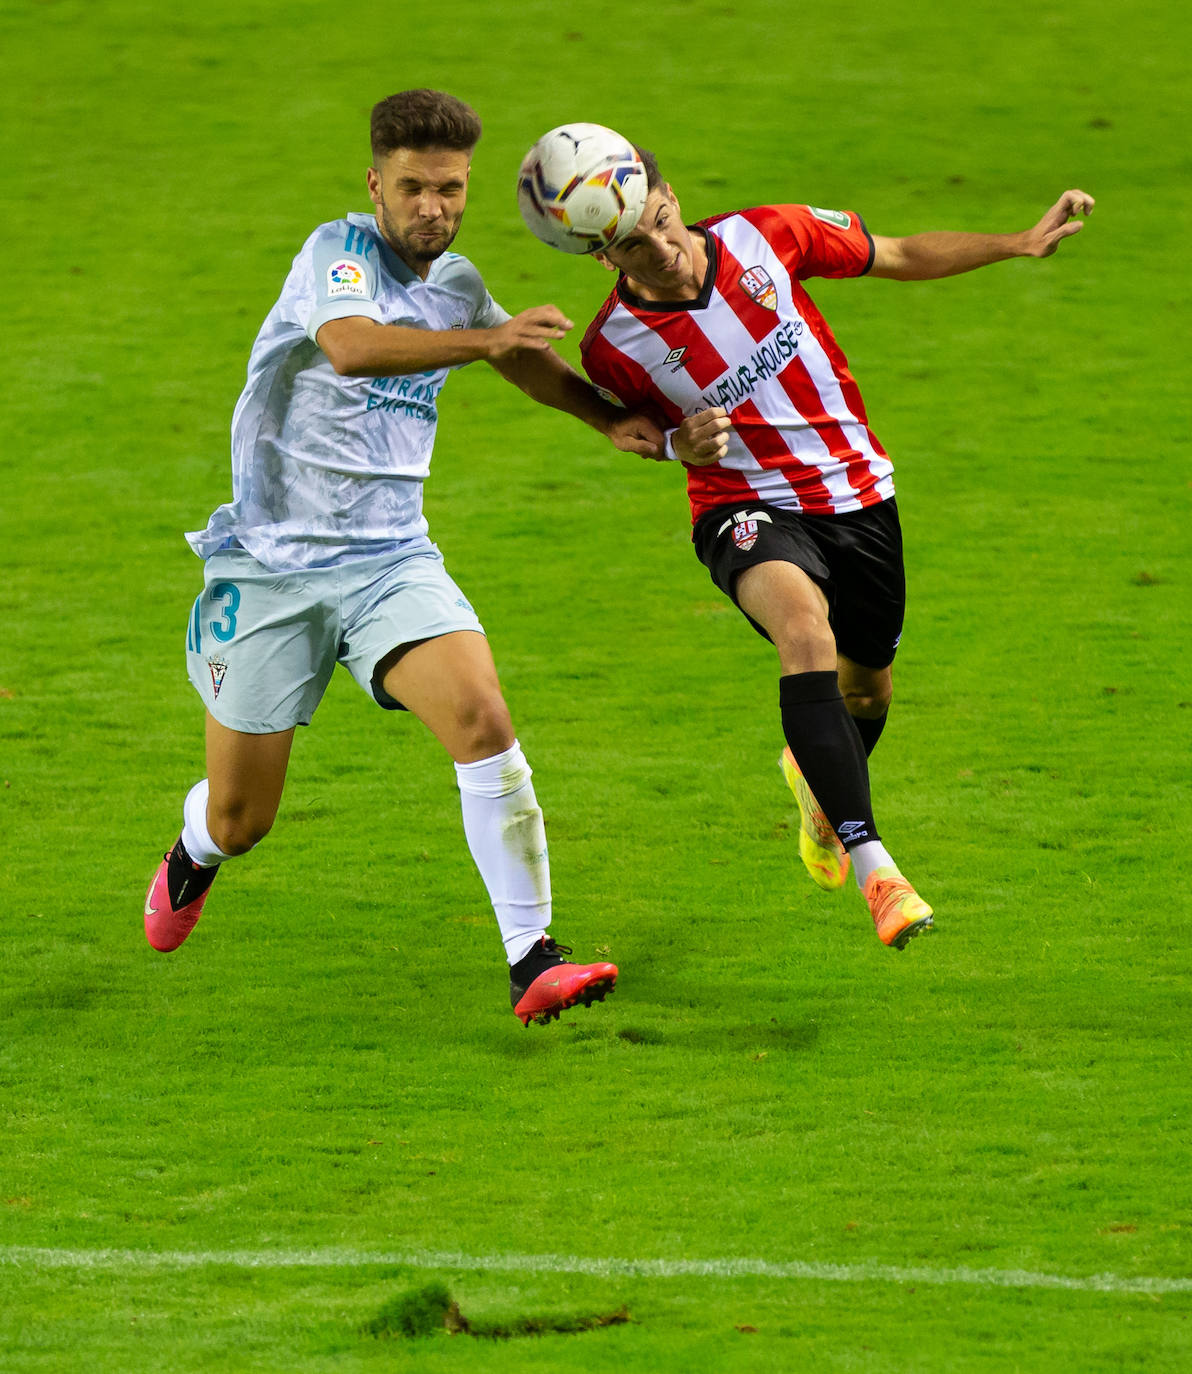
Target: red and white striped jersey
[(754, 343)]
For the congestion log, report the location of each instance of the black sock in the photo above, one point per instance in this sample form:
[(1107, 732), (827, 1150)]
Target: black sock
[(870, 730), (185, 880), (829, 752)]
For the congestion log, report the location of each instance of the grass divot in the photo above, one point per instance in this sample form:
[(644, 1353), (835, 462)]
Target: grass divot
[(431, 1308)]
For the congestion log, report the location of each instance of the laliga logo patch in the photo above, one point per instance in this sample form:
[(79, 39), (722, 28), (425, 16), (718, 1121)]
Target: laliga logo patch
[(759, 286), (745, 535), (219, 670), (345, 278)]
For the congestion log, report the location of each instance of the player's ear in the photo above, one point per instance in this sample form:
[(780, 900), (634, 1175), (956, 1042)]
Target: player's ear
[(602, 259), (374, 186)]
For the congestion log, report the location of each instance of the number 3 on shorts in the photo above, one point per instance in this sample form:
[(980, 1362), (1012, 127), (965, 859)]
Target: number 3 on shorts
[(229, 593)]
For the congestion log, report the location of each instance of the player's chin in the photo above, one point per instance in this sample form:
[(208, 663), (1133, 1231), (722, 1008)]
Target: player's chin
[(428, 247)]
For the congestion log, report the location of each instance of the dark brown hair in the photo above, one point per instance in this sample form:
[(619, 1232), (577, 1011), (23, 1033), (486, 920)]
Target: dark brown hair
[(423, 119), (654, 181)]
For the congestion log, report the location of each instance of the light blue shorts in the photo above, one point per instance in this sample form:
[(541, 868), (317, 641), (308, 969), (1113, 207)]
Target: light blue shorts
[(261, 646)]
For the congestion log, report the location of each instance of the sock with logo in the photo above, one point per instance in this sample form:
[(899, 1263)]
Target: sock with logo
[(505, 832), (829, 752)]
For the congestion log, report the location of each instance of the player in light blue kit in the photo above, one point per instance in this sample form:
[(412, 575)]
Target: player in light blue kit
[(322, 556)]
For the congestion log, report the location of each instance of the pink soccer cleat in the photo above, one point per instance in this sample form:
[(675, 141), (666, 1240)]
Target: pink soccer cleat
[(542, 984), (173, 908)]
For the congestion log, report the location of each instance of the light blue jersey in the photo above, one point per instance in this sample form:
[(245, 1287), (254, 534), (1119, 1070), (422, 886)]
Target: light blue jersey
[(327, 469)]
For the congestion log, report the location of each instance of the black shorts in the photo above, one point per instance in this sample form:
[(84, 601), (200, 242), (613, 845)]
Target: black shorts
[(856, 559)]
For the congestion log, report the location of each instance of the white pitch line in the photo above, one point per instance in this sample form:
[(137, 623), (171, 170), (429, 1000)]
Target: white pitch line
[(31, 1257)]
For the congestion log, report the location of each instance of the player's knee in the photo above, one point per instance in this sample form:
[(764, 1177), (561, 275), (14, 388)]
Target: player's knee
[(869, 702), (484, 728), (804, 638), (239, 829)]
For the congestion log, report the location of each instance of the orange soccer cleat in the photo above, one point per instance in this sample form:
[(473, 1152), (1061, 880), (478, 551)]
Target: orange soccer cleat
[(899, 913)]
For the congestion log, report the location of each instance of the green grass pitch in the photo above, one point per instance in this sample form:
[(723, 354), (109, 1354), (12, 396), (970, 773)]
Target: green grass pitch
[(780, 1146)]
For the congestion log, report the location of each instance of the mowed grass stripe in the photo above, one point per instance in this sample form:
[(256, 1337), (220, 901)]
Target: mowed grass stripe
[(727, 1268)]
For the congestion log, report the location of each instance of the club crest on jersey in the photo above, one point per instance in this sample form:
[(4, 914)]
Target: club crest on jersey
[(345, 278), (758, 285), (219, 670)]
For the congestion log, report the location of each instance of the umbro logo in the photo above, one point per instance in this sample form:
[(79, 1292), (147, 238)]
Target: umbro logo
[(674, 359)]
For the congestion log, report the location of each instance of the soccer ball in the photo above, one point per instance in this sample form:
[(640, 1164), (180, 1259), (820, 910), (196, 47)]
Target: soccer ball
[(581, 188)]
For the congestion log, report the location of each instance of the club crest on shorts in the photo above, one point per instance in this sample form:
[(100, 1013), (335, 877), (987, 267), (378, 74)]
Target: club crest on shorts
[(745, 535), (219, 668), (758, 285)]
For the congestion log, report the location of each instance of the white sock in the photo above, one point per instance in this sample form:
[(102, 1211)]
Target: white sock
[(196, 839), (504, 829), (868, 856)]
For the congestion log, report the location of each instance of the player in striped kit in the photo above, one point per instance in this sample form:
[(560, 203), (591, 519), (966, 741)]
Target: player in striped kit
[(792, 494)]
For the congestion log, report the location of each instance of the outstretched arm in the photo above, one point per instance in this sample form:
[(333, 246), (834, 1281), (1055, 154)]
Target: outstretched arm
[(548, 379), (360, 347), (924, 257)]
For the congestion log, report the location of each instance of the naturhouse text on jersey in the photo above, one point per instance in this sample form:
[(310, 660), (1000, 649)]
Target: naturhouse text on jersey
[(765, 362)]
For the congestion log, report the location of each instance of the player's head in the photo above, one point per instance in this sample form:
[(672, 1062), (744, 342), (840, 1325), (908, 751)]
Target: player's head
[(657, 256), (422, 144), (423, 119)]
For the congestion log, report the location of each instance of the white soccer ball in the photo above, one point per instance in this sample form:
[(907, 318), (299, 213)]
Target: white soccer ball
[(581, 188)]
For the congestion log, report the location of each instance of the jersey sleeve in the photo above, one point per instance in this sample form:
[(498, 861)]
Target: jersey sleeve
[(612, 382), (457, 274), (604, 364), (344, 277), (825, 243), (489, 314)]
